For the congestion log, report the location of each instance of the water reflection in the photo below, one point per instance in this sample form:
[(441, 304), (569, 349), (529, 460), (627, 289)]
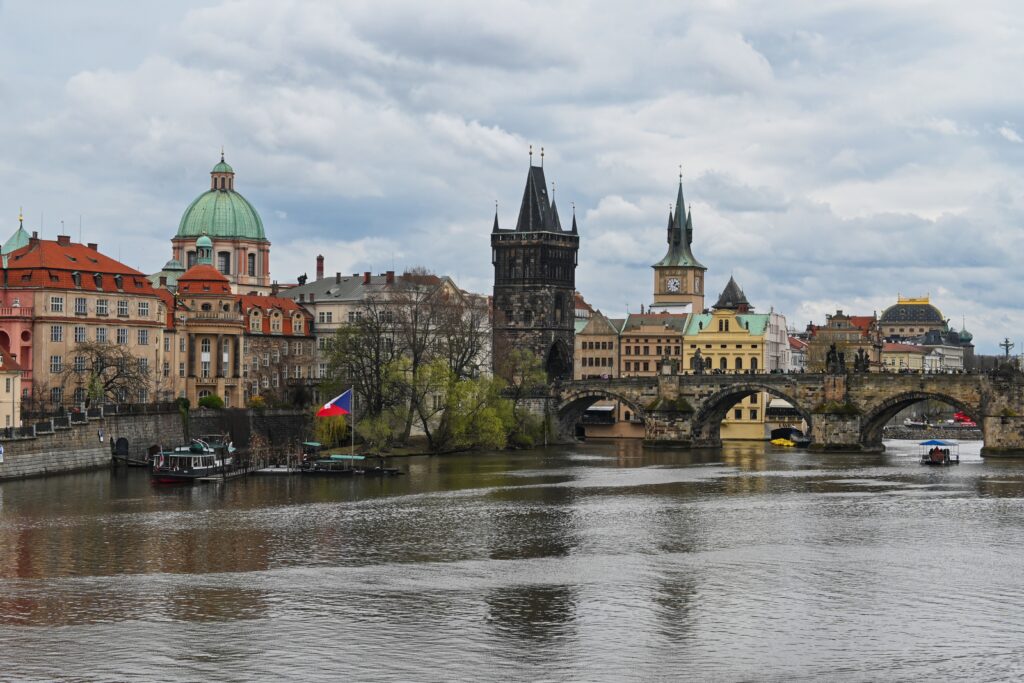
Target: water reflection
[(601, 562)]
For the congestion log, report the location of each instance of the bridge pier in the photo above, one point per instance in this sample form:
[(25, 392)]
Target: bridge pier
[(838, 432), (1003, 436)]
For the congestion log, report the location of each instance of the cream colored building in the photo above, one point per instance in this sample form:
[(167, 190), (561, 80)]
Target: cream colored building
[(10, 390)]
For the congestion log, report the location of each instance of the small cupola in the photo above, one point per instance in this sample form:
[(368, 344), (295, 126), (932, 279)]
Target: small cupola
[(204, 250), (222, 177)]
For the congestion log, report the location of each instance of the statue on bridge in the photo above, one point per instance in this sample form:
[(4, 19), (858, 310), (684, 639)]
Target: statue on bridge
[(835, 361), (697, 363), (861, 362)]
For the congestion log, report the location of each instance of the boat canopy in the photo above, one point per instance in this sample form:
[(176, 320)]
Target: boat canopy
[(314, 444), (936, 442), (348, 457)]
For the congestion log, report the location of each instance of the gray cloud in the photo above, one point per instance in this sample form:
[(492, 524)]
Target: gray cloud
[(834, 155)]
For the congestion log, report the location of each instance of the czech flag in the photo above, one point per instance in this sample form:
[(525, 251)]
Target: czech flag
[(339, 405)]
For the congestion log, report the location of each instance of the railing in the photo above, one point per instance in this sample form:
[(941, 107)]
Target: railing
[(215, 315), (15, 311)]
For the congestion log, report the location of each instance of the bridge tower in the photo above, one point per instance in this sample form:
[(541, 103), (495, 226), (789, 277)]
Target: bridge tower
[(679, 277), (535, 282)]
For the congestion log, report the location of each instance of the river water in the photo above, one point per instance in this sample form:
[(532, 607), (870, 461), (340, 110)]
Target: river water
[(601, 562)]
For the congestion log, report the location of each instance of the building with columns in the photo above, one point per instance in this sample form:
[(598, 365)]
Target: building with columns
[(241, 250)]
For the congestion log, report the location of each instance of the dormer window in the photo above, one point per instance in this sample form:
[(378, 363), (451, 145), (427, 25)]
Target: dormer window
[(76, 277), (98, 279), (118, 281)]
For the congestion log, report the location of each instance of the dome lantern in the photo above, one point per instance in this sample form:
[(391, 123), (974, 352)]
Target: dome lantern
[(222, 177)]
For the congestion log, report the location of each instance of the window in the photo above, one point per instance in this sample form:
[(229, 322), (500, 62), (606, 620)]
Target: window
[(101, 335), (321, 370), (251, 258), (321, 343), (276, 380), (190, 259), (266, 360), (753, 364), (204, 346), (56, 333), (56, 364), (723, 364), (328, 316), (122, 335), (56, 304), (181, 369), (101, 307), (143, 309), (753, 414), (143, 336), (80, 395), (80, 334), (739, 363), (143, 395), (224, 262), (297, 324), (181, 346), (753, 400), (122, 308), (167, 344), (737, 414), (7, 385), (167, 369), (275, 322), (144, 366), (254, 322), (80, 306), (57, 395), (277, 356), (647, 350), (204, 368), (297, 372)]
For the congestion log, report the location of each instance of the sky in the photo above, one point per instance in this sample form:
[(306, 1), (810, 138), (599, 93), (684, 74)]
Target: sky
[(836, 155)]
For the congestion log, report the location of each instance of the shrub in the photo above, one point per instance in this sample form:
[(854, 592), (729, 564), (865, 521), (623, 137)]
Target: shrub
[(212, 401)]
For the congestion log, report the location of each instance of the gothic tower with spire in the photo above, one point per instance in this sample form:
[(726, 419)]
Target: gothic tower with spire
[(679, 277), (535, 283)]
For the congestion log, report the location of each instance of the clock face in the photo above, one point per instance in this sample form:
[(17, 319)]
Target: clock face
[(672, 284)]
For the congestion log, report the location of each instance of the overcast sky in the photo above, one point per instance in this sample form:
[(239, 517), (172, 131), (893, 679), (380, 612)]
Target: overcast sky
[(836, 154)]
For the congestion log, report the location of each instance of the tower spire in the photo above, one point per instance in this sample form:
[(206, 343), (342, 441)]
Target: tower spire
[(495, 229)]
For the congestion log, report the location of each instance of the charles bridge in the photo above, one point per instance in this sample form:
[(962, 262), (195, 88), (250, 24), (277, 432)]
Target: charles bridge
[(843, 411)]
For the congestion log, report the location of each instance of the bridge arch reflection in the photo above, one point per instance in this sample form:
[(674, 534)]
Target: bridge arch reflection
[(707, 421)]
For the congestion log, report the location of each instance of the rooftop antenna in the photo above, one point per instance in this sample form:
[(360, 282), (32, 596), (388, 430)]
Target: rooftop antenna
[(62, 230), (552, 182), (542, 156), (531, 155), (680, 174)]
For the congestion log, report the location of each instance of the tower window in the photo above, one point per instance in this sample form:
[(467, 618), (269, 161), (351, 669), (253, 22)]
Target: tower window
[(251, 258), (224, 262)]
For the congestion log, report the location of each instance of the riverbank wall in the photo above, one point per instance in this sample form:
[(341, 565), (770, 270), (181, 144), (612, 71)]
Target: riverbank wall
[(925, 433), (82, 441)]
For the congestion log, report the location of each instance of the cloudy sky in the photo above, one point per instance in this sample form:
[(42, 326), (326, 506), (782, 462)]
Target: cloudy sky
[(836, 154)]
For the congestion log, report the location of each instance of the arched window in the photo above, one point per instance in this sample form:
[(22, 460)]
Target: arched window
[(707, 362), (739, 363), (203, 393), (726, 325), (723, 364), (251, 258), (753, 364), (224, 262)]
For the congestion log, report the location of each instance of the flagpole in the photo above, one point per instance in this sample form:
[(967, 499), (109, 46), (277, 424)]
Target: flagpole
[(353, 419)]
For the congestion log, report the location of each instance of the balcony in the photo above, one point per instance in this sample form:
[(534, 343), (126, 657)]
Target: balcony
[(215, 315), (15, 311)]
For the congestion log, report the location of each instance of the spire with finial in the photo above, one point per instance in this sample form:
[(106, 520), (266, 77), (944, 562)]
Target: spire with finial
[(556, 224), (222, 152), (542, 156), (531, 154), (495, 229), (574, 230), (21, 218)]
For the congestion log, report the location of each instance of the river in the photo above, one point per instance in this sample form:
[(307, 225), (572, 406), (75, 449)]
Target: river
[(599, 562)]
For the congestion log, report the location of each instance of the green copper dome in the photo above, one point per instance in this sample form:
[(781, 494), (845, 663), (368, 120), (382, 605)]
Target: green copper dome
[(222, 167), (221, 214)]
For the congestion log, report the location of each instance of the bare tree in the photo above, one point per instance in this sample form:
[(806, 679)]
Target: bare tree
[(107, 371), (361, 355)]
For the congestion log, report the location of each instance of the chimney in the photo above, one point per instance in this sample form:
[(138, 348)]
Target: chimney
[(337, 278), (274, 289), (389, 277), (320, 267), (93, 246), (64, 240), (35, 238), (366, 278)]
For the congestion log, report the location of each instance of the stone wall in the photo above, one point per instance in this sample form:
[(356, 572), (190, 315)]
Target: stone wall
[(77, 446), (60, 446)]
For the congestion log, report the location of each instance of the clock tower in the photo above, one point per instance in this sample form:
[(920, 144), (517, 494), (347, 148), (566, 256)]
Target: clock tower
[(679, 277)]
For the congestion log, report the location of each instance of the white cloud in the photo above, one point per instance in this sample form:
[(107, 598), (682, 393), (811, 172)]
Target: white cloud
[(1009, 133)]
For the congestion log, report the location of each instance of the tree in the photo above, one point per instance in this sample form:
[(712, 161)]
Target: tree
[(107, 372), (212, 401), (526, 378)]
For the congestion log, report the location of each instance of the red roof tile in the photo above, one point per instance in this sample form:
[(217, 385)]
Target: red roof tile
[(203, 279), (7, 362), (51, 264)]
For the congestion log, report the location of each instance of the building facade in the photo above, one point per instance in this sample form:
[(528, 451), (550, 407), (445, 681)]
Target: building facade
[(850, 334), (535, 283)]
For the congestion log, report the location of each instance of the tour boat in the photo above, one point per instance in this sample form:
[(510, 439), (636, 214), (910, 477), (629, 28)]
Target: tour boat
[(938, 453), (203, 457), (333, 466)]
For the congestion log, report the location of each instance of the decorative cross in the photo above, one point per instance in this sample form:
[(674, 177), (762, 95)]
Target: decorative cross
[(1006, 345)]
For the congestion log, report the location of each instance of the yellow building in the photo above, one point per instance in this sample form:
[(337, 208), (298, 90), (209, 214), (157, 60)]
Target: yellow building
[(10, 390), (731, 340), (903, 357)]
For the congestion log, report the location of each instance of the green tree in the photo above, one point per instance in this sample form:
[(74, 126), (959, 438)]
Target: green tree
[(212, 401)]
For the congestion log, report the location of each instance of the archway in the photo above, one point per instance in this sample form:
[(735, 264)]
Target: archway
[(572, 407), (5, 341), (558, 364), (706, 426), (873, 421)]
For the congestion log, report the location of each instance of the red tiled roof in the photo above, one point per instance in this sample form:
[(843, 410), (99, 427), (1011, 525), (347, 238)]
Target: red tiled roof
[(580, 304), (168, 300), (203, 279), (797, 344), (287, 307), (50, 264), (7, 362), (863, 322)]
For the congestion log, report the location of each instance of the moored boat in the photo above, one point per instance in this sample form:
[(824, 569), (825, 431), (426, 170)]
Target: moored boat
[(938, 453), (202, 457)]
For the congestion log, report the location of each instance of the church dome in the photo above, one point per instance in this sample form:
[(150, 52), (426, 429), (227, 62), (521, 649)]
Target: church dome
[(220, 212), (913, 311), (966, 337)]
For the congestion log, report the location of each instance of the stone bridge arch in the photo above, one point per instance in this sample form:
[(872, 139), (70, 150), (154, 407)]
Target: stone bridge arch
[(874, 420), (573, 404), (707, 420)]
